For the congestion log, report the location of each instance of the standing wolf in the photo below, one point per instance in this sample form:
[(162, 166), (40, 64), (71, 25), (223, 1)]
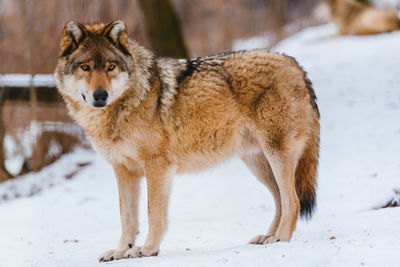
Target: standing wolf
[(155, 117)]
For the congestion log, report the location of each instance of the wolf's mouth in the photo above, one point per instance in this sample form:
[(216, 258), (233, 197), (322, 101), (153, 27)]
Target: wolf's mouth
[(99, 104)]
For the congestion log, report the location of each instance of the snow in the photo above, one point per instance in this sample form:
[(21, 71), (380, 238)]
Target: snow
[(213, 214), (256, 42), (24, 80), (386, 3), (57, 173), (16, 153)]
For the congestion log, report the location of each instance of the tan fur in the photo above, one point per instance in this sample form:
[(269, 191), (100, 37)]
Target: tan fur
[(176, 116), (355, 17)]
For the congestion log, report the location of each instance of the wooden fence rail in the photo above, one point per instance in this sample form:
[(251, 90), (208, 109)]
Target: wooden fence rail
[(16, 87)]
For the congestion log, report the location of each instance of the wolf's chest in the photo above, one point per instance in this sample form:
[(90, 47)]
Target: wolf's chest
[(119, 152)]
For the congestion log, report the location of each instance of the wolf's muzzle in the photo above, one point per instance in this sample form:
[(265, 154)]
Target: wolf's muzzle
[(100, 97)]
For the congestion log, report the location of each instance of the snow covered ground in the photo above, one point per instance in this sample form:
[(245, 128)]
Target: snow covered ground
[(213, 214)]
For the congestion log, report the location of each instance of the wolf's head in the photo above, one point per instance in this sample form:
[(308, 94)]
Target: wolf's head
[(97, 63)]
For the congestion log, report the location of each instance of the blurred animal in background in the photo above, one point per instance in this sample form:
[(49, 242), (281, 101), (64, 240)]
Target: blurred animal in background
[(155, 117), (359, 17)]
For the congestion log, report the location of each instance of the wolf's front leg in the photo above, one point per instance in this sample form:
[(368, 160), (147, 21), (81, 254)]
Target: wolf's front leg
[(128, 188), (158, 187)]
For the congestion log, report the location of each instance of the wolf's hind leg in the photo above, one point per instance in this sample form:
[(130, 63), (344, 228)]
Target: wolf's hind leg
[(259, 166), (283, 165), (128, 188)]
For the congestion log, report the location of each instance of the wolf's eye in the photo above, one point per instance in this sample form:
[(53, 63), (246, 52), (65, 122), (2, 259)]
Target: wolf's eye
[(85, 67), (111, 67)]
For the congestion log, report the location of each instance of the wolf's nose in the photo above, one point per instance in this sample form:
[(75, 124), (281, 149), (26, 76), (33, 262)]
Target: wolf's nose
[(100, 95)]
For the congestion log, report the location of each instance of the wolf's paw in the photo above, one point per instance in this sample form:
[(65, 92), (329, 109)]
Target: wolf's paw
[(138, 252), (111, 255), (264, 239)]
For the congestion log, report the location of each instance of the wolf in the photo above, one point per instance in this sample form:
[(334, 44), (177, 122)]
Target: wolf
[(359, 17), (155, 117)]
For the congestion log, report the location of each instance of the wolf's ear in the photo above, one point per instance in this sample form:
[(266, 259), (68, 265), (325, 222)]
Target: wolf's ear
[(74, 33), (116, 33)]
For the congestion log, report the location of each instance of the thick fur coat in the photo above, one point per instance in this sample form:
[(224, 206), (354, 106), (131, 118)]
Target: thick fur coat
[(156, 117)]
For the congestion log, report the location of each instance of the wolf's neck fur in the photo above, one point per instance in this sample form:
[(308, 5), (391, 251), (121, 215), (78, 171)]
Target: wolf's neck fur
[(168, 70)]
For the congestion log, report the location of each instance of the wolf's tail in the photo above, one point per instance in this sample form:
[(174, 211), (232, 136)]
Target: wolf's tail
[(306, 175), (306, 171)]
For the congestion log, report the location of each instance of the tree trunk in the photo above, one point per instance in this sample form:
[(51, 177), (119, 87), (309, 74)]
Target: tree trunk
[(163, 28)]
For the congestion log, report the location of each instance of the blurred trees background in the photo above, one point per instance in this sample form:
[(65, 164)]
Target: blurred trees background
[(163, 28), (34, 126), (208, 26)]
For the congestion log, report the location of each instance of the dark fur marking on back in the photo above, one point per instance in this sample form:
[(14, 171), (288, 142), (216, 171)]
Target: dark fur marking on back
[(196, 64), (221, 55), (187, 72)]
